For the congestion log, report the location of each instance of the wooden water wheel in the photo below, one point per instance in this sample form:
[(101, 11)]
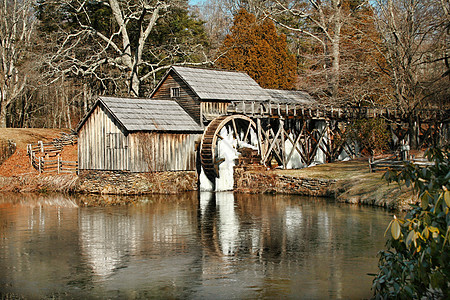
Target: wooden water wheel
[(239, 125)]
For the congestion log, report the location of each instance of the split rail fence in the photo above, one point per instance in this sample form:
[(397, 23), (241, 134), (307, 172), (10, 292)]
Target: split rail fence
[(46, 157), (394, 163)]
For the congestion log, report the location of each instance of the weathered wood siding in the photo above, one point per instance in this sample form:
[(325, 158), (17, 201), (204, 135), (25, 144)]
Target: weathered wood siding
[(187, 99), (101, 143), (163, 151)]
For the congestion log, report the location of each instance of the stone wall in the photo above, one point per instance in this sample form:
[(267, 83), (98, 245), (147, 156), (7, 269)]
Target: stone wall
[(128, 183), (258, 179)]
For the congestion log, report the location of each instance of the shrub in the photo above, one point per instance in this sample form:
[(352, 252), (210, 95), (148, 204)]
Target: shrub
[(371, 134), (417, 262)]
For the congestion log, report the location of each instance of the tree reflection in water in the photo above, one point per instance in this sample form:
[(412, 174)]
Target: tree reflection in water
[(194, 245)]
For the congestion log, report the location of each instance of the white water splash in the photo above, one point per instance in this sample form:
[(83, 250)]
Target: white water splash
[(227, 153), (226, 149), (205, 184)]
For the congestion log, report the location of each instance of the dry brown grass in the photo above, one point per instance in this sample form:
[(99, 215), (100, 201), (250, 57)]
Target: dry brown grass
[(338, 170), (24, 136), (19, 163), (17, 174), (355, 184), (23, 184)]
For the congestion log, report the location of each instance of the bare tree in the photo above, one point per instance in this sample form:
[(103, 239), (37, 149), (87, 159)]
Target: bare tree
[(125, 49), (218, 21), (320, 21), (415, 45), (16, 30)]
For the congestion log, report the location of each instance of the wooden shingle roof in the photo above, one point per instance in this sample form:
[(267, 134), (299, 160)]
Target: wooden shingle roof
[(290, 97), (221, 85), (147, 114)]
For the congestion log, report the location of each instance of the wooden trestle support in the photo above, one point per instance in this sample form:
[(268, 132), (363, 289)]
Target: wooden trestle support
[(312, 129)]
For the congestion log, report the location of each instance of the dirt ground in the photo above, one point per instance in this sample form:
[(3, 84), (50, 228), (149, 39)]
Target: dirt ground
[(24, 136), (19, 163)]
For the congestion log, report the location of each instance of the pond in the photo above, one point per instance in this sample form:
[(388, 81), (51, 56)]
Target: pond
[(188, 246)]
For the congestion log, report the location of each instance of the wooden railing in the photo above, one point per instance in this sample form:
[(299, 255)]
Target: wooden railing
[(394, 163), (46, 157), (318, 111), (54, 165)]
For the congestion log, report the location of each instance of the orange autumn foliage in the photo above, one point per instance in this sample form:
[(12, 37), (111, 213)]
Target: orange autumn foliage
[(256, 48)]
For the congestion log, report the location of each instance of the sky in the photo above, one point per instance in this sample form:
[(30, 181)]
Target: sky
[(196, 2)]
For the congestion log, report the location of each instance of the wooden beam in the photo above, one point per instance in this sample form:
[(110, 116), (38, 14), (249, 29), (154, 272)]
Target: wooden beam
[(248, 131), (294, 146), (273, 144), (259, 137), (236, 135), (283, 143), (322, 134)]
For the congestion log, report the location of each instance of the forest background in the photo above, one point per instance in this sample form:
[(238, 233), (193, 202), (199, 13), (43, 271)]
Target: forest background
[(58, 56)]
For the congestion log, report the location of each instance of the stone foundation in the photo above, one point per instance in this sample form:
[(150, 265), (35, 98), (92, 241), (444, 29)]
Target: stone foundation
[(251, 178), (128, 183), (257, 179)]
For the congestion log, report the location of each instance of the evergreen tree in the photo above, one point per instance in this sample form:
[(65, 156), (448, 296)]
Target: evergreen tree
[(256, 48)]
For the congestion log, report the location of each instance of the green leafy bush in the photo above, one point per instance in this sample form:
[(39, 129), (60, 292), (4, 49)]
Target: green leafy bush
[(371, 134), (417, 262)]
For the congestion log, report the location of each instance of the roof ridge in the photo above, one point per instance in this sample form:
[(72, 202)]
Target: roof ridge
[(209, 69)]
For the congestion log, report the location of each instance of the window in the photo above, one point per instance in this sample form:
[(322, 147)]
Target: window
[(116, 141), (174, 92)]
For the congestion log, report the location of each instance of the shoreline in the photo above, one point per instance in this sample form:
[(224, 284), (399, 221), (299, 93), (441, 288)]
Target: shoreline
[(347, 182)]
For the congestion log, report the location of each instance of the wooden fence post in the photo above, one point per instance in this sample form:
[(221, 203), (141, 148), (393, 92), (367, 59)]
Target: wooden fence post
[(30, 153), (40, 167)]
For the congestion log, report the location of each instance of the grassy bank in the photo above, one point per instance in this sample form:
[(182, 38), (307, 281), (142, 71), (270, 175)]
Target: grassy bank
[(41, 184), (355, 184), (17, 174)]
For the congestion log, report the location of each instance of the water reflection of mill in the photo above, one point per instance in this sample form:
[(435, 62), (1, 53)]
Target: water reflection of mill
[(109, 235), (223, 227), (275, 227), (195, 244), (216, 234)]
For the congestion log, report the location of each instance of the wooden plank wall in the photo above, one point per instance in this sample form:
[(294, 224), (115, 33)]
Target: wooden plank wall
[(163, 151), (187, 100), (101, 143), (103, 146)]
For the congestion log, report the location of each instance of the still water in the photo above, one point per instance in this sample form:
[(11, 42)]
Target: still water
[(188, 246)]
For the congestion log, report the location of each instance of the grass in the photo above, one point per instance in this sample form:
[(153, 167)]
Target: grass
[(338, 171), (24, 136), (356, 184)]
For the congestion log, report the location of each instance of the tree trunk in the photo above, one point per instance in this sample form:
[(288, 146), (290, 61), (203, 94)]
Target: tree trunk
[(134, 85), (3, 115), (335, 47), (413, 132)]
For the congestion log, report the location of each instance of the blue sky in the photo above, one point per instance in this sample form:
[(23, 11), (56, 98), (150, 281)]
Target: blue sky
[(195, 2)]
